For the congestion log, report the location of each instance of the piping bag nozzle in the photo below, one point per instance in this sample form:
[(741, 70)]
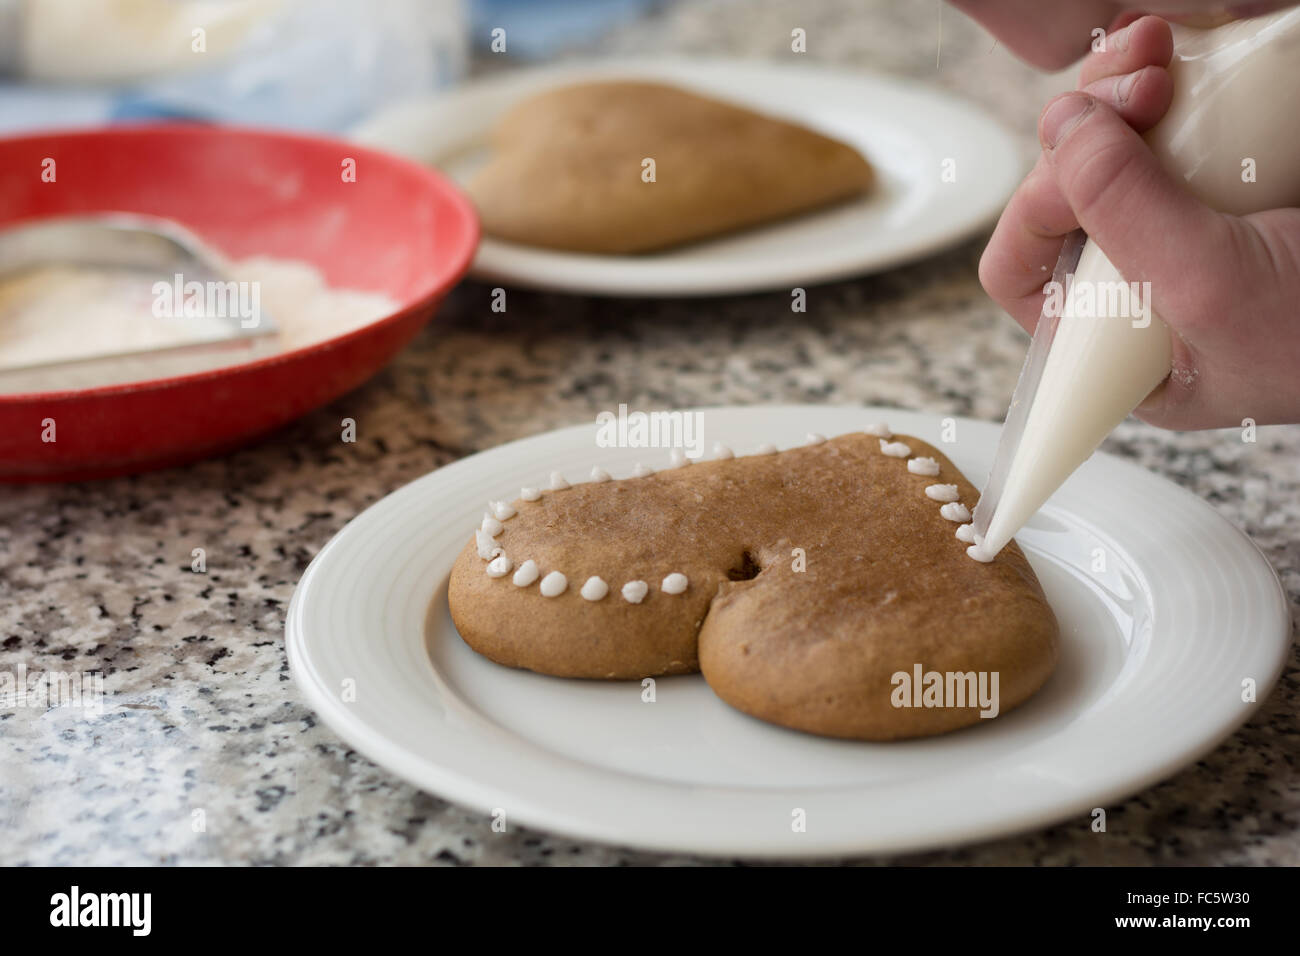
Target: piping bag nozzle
[(1061, 410)]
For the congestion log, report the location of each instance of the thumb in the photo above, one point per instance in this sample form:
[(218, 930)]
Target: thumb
[(1147, 224)]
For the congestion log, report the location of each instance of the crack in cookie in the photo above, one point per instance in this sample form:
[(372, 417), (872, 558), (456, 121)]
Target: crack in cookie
[(799, 583)]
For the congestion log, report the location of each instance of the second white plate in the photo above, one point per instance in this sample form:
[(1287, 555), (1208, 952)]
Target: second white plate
[(945, 171), (1165, 610)]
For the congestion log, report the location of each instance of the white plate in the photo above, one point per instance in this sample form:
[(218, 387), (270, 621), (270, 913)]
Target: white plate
[(1154, 651), (906, 130)]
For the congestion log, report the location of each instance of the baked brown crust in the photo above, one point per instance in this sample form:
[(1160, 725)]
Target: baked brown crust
[(566, 167), (887, 586)]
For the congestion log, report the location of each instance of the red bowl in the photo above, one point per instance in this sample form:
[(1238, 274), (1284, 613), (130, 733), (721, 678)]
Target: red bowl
[(399, 229)]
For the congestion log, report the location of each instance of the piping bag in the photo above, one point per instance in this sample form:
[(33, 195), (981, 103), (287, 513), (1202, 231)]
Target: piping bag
[(1230, 134)]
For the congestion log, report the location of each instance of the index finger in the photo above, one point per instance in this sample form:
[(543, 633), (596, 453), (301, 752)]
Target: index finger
[(1147, 41)]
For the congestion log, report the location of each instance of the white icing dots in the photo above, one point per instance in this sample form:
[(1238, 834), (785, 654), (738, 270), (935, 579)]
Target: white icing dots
[(942, 492), (553, 584), (675, 583), (485, 544), (955, 511), (526, 574), (952, 509), (594, 589)]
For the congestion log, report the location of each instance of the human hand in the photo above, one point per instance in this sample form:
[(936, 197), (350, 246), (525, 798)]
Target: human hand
[(1227, 286)]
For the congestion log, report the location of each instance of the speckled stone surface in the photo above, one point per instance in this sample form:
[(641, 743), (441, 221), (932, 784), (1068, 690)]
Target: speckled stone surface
[(202, 714)]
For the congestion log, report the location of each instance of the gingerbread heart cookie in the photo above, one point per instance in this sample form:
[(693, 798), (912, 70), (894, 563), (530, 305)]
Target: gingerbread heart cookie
[(624, 167), (823, 588)]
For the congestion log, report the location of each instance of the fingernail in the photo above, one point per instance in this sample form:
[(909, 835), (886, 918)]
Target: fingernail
[(1125, 86), (1061, 116), (1119, 39)]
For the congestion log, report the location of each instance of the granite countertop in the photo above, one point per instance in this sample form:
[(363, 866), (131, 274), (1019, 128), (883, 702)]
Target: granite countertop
[(201, 712)]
